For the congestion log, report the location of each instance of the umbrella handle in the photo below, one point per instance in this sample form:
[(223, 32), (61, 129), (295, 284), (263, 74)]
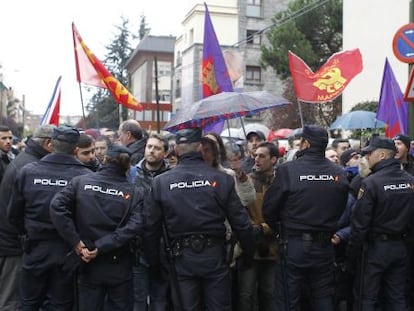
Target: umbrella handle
[(244, 129)]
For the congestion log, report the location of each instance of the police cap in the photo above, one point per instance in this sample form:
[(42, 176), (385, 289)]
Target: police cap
[(66, 133), (186, 136), (316, 135), (379, 143), (115, 150)]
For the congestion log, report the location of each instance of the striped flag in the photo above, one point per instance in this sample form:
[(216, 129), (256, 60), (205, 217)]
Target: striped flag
[(90, 70), (51, 116)]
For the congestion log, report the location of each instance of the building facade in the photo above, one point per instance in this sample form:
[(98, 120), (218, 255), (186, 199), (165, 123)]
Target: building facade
[(152, 52), (240, 28)]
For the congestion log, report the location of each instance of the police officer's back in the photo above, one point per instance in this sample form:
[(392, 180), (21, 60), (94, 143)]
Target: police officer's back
[(102, 211), (193, 200), (42, 279), (307, 197), (380, 220)]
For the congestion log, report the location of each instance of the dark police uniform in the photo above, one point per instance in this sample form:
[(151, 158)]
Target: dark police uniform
[(380, 220), (97, 208), (194, 199), (42, 279), (307, 197)]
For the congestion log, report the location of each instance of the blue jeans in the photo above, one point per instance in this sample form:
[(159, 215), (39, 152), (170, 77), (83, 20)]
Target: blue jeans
[(141, 287), (256, 284)]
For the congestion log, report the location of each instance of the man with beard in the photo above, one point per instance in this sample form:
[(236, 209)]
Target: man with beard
[(253, 139), (402, 143), (85, 152), (6, 138), (259, 277), (157, 288)]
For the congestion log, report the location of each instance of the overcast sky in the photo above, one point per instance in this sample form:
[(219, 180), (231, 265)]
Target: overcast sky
[(37, 46)]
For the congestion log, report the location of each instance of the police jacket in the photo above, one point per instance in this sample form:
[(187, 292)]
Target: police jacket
[(195, 198), (92, 206), (9, 241), (35, 187), (384, 204), (307, 194)]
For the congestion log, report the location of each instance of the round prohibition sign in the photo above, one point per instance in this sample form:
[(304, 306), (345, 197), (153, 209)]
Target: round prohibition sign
[(403, 43)]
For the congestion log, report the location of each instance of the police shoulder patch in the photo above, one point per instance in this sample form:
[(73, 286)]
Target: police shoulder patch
[(361, 193)]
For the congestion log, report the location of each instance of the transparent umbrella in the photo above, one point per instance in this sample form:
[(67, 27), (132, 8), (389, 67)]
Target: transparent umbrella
[(223, 106)]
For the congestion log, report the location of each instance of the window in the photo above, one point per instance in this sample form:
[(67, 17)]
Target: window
[(148, 115), (253, 37), (253, 74), (254, 8)]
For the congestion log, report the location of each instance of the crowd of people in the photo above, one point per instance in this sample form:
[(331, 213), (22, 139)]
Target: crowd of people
[(123, 219)]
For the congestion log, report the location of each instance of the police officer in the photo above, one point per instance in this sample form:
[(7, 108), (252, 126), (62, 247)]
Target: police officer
[(380, 219), (42, 281), (97, 215), (193, 200), (307, 198)]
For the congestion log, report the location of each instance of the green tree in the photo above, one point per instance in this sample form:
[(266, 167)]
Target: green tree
[(313, 31), (367, 105), (103, 109)]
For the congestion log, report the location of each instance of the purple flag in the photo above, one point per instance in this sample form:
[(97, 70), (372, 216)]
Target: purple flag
[(215, 76), (392, 109)]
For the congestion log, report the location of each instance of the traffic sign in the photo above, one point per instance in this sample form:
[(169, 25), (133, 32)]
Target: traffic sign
[(403, 43)]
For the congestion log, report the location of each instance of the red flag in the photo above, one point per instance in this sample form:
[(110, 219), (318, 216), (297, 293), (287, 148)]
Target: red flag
[(329, 81), (90, 70), (51, 116)]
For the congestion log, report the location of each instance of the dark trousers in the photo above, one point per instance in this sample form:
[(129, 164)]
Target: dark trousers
[(50, 289), (257, 286), (10, 267), (306, 264), (384, 275), (42, 283), (114, 297), (204, 279), (140, 277)]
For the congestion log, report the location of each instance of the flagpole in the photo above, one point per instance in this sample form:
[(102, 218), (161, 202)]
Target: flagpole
[(300, 112), (83, 108), (410, 112)]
